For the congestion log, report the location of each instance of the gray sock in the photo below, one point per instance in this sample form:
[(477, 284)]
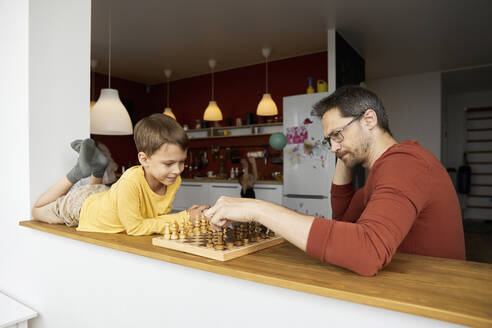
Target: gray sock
[(83, 167), (76, 145), (99, 163)]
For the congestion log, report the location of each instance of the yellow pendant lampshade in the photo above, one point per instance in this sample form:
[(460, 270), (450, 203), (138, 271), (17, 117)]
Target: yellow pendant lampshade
[(168, 111), (267, 106), (212, 112)]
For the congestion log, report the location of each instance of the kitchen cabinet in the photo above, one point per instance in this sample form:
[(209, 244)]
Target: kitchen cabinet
[(269, 192), (208, 192), (223, 189), (191, 193)]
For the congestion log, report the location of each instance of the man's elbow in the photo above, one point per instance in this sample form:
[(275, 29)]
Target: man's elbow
[(368, 270), (371, 263)]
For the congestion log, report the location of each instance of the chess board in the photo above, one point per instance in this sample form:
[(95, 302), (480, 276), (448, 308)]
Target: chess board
[(197, 245)]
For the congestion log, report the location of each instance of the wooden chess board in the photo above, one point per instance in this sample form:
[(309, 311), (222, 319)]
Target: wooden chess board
[(197, 245)]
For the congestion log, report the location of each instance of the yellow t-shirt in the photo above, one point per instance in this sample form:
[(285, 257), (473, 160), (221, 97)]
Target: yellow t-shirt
[(131, 206)]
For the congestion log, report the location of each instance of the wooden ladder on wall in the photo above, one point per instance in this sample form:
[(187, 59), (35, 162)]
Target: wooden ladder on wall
[(479, 153)]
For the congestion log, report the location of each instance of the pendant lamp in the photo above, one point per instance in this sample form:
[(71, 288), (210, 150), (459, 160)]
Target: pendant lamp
[(93, 67), (168, 111), (267, 106), (212, 112), (109, 116)]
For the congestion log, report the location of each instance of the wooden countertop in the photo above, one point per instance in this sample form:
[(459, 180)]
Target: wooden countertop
[(443, 289), (212, 180)]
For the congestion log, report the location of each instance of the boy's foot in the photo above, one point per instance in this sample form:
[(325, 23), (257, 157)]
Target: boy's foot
[(76, 145), (83, 167), (98, 163)]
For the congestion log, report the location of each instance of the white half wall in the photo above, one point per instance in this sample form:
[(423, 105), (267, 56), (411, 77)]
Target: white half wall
[(413, 103), (59, 86)]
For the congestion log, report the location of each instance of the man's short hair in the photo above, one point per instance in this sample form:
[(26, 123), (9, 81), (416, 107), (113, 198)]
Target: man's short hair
[(153, 131), (352, 101)]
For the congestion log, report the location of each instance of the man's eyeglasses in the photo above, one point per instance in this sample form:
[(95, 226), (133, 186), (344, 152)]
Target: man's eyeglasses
[(337, 135)]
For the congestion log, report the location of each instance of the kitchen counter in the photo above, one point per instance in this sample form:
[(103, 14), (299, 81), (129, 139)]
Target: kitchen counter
[(448, 290), (276, 182)]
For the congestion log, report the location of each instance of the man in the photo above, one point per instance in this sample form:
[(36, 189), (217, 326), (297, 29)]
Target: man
[(408, 203)]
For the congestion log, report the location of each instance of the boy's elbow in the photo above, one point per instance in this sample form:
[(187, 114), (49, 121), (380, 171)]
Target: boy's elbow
[(135, 231)]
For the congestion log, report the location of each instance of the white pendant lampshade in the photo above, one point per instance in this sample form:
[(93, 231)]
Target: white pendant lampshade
[(212, 112), (169, 112), (109, 116), (267, 106)]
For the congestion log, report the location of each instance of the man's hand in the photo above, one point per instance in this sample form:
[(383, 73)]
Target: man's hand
[(195, 211), (230, 209), (252, 160), (343, 174)]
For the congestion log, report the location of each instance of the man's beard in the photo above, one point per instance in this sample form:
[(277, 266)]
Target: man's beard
[(351, 159)]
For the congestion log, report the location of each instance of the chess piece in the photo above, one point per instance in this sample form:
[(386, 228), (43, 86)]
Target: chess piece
[(244, 233), (229, 240), (189, 228), (238, 238), (196, 229), (210, 243), (182, 232), (174, 231), (220, 241), (167, 233), (204, 226)]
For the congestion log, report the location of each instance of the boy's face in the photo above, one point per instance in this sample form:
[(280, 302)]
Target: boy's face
[(164, 165)]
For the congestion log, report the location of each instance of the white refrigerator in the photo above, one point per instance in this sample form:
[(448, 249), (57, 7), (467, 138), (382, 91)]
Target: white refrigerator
[(308, 163)]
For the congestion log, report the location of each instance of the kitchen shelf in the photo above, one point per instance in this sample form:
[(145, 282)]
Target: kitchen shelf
[(236, 127), (234, 136), (237, 135)]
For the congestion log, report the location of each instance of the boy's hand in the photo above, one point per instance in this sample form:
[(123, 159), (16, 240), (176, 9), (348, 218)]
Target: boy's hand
[(252, 160), (196, 211)]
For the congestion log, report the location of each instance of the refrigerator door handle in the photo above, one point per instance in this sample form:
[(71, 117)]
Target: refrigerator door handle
[(306, 196)]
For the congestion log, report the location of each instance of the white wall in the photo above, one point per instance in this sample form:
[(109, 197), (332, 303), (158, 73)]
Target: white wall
[(413, 103), (74, 284), (456, 104)]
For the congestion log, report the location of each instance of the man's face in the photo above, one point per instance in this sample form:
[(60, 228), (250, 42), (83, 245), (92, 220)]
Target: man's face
[(166, 164), (353, 147)]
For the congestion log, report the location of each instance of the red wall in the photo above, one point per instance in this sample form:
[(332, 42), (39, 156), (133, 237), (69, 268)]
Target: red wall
[(237, 92)]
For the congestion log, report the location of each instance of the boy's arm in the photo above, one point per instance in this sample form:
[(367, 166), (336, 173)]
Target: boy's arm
[(130, 217)]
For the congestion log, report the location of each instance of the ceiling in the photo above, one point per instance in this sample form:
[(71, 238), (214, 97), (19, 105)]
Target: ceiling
[(395, 37)]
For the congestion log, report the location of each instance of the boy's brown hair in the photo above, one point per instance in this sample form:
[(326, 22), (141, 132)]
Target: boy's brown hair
[(151, 132)]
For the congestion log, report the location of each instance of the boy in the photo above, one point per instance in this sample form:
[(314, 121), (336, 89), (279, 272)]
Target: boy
[(248, 180), (139, 202)]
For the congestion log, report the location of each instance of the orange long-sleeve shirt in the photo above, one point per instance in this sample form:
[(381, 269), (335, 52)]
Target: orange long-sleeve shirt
[(408, 204)]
